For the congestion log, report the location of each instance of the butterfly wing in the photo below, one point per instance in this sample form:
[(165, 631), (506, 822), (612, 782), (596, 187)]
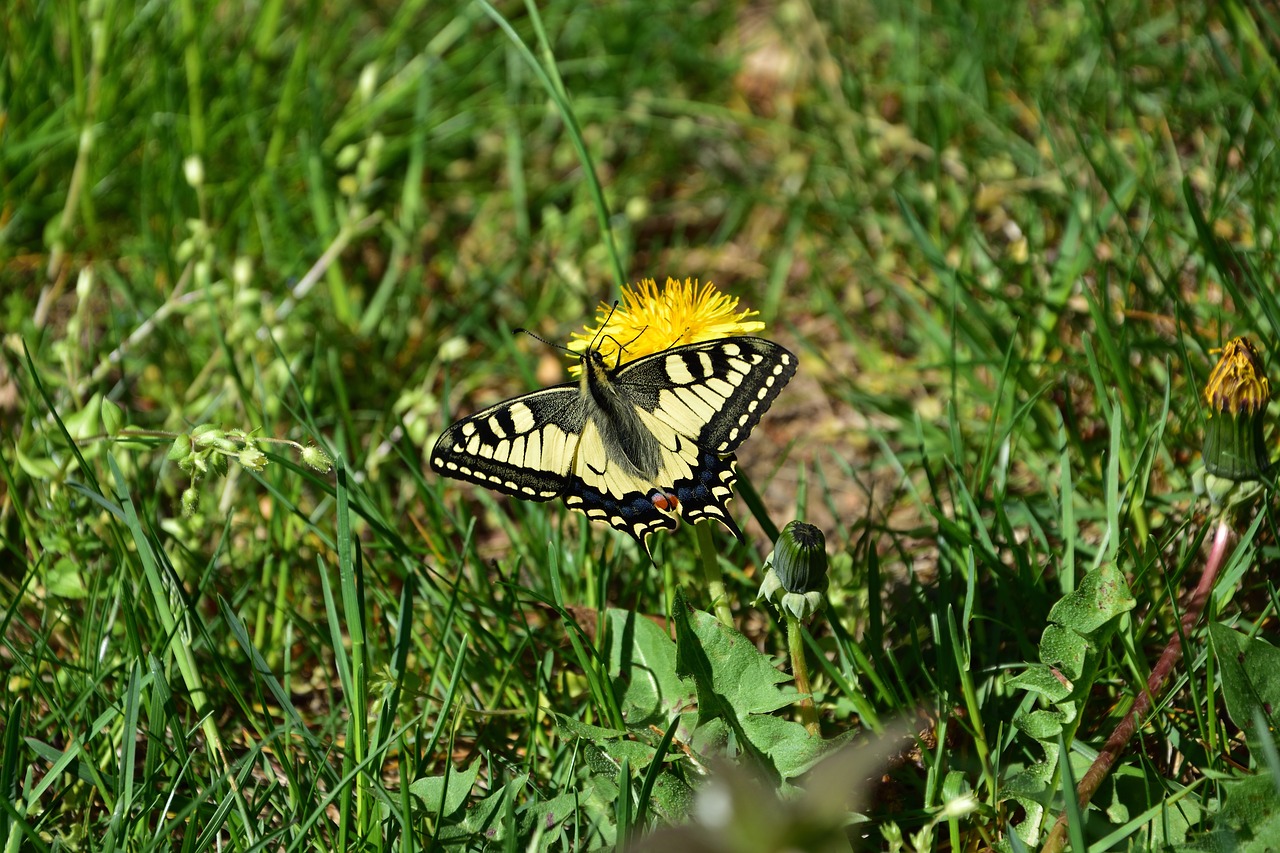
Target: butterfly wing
[(713, 392), (522, 447)]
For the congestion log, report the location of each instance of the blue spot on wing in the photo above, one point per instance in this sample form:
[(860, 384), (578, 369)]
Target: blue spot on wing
[(703, 495)]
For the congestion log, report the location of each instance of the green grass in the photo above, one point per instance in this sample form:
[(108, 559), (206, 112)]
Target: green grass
[(1003, 243)]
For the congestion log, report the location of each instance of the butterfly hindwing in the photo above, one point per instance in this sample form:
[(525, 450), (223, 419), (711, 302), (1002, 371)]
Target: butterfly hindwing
[(636, 446)]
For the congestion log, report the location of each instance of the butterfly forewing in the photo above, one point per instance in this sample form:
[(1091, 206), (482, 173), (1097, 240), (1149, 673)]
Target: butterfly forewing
[(523, 446), (713, 392)]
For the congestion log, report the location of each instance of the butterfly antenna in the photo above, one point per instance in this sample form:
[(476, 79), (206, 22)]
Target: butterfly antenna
[(604, 325), (679, 338), (538, 337)]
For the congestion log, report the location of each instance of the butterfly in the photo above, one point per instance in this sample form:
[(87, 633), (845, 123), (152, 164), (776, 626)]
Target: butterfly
[(637, 445)]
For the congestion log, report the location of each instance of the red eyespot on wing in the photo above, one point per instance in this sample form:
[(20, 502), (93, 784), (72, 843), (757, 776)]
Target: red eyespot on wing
[(665, 501)]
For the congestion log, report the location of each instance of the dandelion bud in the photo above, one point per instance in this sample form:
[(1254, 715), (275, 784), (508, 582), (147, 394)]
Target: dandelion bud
[(796, 572)]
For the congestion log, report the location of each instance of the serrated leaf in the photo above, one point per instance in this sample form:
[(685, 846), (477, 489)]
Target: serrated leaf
[(790, 746), (671, 798), (1250, 818), (739, 686), (714, 677), (592, 812), (1101, 596), (570, 728), (607, 756), (1038, 678), (731, 675), (1040, 724), (1065, 649), (1081, 623)]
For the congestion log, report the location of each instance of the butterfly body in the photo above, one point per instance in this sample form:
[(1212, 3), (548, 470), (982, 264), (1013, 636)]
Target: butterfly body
[(638, 445)]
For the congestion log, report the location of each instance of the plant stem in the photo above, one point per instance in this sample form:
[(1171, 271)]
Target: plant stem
[(1145, 700), (800, 670), (714, 577)]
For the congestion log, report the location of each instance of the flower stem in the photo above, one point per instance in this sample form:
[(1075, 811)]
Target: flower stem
[(800, 670), (714, 577), (1145, 700)]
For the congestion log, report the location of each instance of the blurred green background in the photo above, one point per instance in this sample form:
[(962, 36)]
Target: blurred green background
[(1002, 238)]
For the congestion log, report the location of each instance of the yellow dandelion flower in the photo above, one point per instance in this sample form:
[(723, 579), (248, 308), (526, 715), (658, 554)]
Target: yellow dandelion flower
[(649, 320)]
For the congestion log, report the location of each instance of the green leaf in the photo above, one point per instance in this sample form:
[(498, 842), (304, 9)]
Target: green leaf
[(1081, 623), (112, 417), (87, 422), (1041, 679), (738, 687), (642, 664), (714, 678), (480, 818), (445, 795), (1101, 596), (1249, 821), (1064, 649), (1250, 678), (64, 579), (37, 467)]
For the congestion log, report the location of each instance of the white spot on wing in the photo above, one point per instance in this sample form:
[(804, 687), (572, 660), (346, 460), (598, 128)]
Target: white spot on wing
[(554, 440), (677, 370), (521, 417)]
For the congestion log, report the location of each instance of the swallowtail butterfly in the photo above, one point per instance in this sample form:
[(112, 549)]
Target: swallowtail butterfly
[(636, 445)]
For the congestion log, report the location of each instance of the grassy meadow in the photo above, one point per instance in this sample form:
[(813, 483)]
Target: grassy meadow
[(255, 258)]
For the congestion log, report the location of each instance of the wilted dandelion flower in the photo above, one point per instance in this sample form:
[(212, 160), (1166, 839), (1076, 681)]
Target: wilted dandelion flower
[(1237, 394), (650, 319)]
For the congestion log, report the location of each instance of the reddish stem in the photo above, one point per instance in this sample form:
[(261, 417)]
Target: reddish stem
[(1144, 701)]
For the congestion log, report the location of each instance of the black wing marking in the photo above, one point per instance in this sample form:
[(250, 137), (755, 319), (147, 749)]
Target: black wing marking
[(522, 447), (704, 494)]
